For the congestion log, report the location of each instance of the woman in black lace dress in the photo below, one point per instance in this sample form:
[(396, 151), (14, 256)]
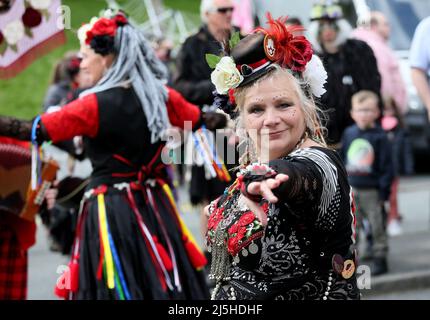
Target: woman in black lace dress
[(285, 228)]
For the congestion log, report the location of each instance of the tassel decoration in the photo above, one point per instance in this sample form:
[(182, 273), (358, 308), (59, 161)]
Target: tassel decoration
[(163, 255), (194, 252), (74, 276), (197, 258), (61, 289)]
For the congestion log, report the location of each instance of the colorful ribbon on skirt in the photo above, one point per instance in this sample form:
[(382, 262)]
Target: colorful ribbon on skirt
[(113, 270)]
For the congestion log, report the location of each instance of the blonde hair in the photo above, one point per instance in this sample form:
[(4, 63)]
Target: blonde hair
[(312, 113), (361, 96)]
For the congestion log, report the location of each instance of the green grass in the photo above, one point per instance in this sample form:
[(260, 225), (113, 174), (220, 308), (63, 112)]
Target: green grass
[(190, 6), (23, 95)]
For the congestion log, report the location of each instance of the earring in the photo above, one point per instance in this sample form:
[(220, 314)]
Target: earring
[(249, 154)]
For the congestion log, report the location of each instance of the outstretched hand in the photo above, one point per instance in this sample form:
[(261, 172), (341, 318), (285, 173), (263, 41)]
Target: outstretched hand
[(264, 188)]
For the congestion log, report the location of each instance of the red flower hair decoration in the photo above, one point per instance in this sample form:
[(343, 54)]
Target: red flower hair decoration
[(283, 47), (103, 27), (101, 34)]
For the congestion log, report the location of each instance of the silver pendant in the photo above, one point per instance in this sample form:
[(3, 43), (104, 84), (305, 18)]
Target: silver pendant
[(236, 259), (253, 248), (244, 252)]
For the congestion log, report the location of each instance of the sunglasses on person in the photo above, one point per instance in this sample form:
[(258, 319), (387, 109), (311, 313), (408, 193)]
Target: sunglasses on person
[(224, 10)]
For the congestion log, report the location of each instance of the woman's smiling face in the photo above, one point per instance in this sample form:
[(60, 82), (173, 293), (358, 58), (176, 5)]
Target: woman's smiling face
[(273, 116)]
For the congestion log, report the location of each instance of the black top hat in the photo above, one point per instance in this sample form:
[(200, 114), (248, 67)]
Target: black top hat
[(251, 58), (256, 54)]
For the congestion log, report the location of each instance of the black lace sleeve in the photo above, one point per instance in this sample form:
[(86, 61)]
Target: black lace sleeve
[(21, 129)]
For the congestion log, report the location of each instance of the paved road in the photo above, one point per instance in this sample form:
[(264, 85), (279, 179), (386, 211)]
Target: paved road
[(45, 266), (42, 271)]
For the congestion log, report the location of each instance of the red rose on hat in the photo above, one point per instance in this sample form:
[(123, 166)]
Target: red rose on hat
[(1, 37), (293, 52), (301, 53), (31, 18), (103, 27)]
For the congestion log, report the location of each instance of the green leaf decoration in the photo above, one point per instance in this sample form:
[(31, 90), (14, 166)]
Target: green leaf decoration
[(28, 32), (212, 60), (26, 4), (14, 47), (3, 47), (234, 40)]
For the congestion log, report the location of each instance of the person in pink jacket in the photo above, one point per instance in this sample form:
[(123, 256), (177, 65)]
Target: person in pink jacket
[(376, 35), (243, 16)]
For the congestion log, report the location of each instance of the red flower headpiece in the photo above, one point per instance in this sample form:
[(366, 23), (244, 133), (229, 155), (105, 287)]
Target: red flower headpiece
[(103, 27), (290, 51), (106, 27)]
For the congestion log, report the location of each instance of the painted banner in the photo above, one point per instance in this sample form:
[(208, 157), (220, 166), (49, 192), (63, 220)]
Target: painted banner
[(28, 29)]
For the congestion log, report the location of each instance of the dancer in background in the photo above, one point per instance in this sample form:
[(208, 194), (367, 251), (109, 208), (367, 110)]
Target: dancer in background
[(130, 240)]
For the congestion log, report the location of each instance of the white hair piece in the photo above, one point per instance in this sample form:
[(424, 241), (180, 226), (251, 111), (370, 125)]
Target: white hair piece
[(316, 76), (82, 31)]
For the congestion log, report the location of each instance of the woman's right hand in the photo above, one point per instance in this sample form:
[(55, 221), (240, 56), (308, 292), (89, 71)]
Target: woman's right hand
[(264, 188)]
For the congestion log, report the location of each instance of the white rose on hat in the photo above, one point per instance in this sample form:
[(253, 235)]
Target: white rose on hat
[(226, 76), (13, 32)]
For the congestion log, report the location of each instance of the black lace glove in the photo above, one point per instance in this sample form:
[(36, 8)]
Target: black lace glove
[(21, 129), (254, 173)]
